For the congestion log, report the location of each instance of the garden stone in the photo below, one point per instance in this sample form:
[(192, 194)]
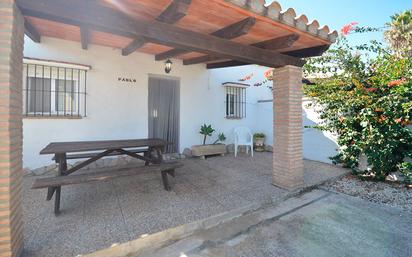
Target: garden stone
[(187, 152), (268, 148), (230, 148), (395, 177)]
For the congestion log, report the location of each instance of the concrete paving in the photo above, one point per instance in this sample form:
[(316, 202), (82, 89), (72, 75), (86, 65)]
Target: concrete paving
[(97, 215), (315, 224)]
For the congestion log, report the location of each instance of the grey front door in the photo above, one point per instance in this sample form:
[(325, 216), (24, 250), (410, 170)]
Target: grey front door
[(164, 110)]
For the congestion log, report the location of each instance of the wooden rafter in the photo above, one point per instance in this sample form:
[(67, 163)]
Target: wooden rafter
[(31, 32), (309, 52), (175, 11), (304, 53), (230, 32), (84, 37), (278, 43), (271, 44), (134, 45), (236, 29), (225, 64), (105, 19)]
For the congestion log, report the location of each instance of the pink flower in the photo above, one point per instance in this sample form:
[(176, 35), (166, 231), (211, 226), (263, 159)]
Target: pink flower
[(371, 89), (248, 77), (396, 82), (348, 28), (268, 74), (398, 120)]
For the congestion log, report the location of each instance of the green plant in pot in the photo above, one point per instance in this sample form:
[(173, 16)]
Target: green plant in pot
[(206, 130), (209, 149), (220, 138), (259, 141)]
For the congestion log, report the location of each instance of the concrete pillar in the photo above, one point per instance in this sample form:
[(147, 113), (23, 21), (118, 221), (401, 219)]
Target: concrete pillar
[(11, 66), (287, 127)]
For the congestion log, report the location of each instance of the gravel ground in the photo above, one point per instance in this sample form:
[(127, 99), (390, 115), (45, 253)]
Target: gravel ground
[(395, 195)]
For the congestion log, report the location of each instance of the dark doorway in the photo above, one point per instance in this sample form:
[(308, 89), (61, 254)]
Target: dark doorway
[(164, 110)]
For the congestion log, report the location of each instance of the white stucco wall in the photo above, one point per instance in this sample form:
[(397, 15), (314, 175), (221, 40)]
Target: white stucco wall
[(117, 110)]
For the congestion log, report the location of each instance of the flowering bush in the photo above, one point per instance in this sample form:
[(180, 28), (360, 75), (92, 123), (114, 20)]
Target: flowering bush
[(366, 97)]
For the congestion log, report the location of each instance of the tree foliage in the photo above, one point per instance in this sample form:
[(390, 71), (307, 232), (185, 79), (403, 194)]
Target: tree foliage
[(365, 94), (399, 34)]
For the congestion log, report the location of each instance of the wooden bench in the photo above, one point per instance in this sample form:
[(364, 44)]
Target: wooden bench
[(93, 154), (103, 174)]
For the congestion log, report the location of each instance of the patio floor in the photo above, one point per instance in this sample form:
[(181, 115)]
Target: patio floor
[(97, 215)]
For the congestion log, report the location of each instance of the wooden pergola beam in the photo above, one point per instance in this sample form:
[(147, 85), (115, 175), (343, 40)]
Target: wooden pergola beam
[(309, 52), (236, 29), (105, 19), (278, 43), (31, 31), (175, 11), (230, 32), (271, 44), (304, 53), (84, 37), (225, 64), (134, 45)]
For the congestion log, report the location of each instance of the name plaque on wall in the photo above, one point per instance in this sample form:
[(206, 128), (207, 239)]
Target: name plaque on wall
[(127, 80)]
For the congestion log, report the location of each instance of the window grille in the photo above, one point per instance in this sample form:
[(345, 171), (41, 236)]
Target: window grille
[(235, 101), (54, 90)]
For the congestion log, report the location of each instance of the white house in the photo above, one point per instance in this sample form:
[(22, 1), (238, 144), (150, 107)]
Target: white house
[(113, 100)]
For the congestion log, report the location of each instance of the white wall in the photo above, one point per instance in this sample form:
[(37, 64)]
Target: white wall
[(117, 110)]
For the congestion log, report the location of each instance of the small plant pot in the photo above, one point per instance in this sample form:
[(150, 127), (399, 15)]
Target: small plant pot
[(205, 150), (259, 143)]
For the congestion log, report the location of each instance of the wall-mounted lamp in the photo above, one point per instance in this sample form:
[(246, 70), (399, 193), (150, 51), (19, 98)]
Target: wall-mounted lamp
[(168, 66)]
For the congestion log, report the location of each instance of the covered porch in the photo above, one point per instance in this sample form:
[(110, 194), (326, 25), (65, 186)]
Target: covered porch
[(99, 215), (217, 33)]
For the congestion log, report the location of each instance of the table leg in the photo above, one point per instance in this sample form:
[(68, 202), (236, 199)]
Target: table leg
[(148, 154), (165, 181), (159, 157), (61, 158)]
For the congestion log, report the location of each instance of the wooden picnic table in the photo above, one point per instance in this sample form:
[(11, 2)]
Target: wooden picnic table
[(94, 150)]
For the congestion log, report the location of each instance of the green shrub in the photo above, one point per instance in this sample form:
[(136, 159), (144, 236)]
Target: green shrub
[(365, 95), (259, 135)]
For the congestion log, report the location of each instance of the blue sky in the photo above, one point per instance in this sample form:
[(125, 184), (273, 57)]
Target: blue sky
[(337, 13)]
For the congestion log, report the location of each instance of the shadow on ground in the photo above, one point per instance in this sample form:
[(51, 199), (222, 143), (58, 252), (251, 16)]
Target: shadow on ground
[(98, 215)]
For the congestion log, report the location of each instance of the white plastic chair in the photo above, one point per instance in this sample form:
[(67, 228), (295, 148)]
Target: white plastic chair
[(243, 137)]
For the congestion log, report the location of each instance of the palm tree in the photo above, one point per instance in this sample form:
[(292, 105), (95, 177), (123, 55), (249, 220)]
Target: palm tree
[(399, 33)]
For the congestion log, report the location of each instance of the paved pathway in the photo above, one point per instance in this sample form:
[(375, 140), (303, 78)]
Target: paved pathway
[(316, 224)]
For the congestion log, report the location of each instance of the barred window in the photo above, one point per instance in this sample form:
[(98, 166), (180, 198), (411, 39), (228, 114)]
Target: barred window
[(54, 89), (235, 100)]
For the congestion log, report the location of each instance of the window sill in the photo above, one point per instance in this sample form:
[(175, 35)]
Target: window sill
[(233, 118), (52, 117)]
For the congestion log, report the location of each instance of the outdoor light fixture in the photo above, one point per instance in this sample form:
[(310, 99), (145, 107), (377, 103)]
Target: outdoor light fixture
[(168, 66)]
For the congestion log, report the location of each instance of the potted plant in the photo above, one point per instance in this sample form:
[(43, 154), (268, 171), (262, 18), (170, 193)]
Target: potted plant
[(259, 142), (209, 149)]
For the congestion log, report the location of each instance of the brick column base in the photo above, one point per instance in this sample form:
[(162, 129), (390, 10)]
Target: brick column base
[(11, 66), (287, 127)]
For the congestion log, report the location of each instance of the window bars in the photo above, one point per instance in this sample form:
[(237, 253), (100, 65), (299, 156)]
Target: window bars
[(54, 91), (235, 102)]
